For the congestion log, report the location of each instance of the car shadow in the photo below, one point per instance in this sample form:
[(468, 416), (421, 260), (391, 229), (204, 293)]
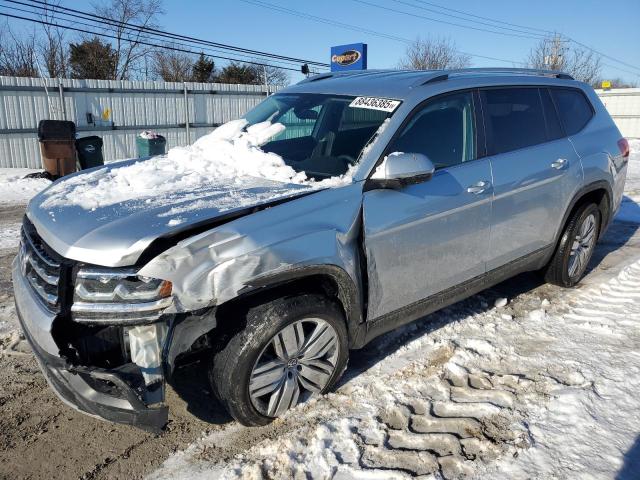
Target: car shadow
[(191, 380), (631, 468), (191, 383)]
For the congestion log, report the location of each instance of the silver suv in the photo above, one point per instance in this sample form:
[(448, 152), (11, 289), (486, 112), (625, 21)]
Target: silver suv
[(457, 180)]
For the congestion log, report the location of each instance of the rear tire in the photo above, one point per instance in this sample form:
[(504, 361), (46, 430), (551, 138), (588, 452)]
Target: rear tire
[(576, 246), (275, 353)]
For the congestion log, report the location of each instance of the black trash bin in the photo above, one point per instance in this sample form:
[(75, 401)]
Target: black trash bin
[(89, 152), (148, 147)]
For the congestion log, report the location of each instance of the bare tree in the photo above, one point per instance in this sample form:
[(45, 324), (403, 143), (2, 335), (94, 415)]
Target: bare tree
[(555, 53), (53, 47), (435, 53), (18, 55), (172, 66), (124, 14), (275, 76)]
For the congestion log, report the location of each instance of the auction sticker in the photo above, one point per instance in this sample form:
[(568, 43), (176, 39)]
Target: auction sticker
[(375, 103)]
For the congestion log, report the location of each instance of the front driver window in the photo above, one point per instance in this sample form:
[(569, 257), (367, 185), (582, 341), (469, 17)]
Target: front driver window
[(443, 130)]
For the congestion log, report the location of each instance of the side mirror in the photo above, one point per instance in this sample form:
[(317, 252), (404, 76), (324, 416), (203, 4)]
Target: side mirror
[(399, 169)]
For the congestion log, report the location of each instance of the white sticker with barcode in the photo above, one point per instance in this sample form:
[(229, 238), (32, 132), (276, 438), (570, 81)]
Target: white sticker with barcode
[(375, 103)]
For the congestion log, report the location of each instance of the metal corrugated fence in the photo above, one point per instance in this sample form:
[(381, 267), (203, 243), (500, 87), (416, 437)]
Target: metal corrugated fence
[(182, 112), (623, 104)]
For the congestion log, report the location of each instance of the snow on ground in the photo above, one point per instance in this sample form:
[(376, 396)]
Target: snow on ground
[(9, 235), (527, 388), (537, 390), (15, 189), (228, 153)]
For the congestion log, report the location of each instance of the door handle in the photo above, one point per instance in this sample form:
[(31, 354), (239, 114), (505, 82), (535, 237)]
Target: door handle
[(559, 164), (478, 188)]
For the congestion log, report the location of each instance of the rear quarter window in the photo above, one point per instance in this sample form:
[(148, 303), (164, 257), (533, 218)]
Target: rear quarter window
[(574, 109)]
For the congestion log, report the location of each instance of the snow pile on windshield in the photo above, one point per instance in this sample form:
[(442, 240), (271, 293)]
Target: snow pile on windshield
[(224, 156)]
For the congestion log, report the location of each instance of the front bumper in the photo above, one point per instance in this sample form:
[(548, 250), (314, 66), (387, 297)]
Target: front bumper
[(118, 395)]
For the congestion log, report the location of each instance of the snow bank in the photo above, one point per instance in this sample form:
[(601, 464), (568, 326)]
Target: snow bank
[(15, 189), (226, 153)]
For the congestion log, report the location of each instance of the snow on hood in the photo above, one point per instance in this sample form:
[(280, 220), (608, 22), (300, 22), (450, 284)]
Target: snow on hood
[(227, 156), (109, 215)]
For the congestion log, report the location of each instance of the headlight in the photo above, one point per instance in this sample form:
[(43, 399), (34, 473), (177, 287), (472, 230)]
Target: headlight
[(118, 296)]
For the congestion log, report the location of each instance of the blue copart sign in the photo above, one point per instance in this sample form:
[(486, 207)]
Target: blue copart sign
[(349, 57)]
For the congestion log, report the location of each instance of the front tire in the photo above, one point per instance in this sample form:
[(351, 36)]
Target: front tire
[(290, 349), (570, 261)]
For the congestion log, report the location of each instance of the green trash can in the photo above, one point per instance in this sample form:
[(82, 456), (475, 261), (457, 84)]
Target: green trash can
[(149, 146), (89, 152)]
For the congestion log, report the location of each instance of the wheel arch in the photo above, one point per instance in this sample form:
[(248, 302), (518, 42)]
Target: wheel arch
[(598, 192), (329, 280), (219, 323)]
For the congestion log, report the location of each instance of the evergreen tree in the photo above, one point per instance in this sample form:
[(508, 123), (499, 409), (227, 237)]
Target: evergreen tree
[(92, 59), (240, 73), (203, 70)]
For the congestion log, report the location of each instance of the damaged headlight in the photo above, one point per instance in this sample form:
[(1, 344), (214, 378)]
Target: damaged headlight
[(118, 296)]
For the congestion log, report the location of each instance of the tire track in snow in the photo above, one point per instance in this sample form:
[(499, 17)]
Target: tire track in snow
[(610, 305)]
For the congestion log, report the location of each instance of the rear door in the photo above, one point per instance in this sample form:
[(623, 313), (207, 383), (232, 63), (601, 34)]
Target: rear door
[(535, 171), (422, 239)]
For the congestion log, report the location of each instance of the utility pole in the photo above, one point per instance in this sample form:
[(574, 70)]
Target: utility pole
[(266, 82), (554, 58)]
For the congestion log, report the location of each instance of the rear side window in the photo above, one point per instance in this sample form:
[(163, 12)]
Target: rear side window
[(574, 109), (514, 118)]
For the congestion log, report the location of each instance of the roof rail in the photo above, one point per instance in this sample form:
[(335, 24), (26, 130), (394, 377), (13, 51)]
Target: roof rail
[(446, 74)]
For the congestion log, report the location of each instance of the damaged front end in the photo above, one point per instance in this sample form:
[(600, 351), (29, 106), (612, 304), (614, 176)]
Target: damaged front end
[(99, 335)]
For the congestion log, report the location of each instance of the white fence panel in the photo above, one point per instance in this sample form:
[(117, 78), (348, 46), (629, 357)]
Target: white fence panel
[(170, 108), (623, 104)]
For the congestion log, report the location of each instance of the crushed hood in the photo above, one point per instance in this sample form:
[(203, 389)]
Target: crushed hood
[(117, 233)]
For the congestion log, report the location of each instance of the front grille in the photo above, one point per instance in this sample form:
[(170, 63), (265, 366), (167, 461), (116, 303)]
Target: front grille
[(41, 270)]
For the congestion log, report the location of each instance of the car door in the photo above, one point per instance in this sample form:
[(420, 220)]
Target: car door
[(424, 238), (535, 170)]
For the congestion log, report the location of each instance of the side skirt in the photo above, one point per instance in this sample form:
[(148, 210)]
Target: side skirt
[(417, 310)]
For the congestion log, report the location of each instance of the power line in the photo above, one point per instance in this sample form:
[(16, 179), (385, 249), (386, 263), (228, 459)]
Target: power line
[(602, 54), (484, 18), (73, 12), (354, 28), (415, 15), (166, 47), (52, 16), (402, 2), (520, 26), (326, 21)]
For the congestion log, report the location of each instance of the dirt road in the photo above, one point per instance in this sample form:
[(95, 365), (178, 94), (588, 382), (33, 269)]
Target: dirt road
[(42, 438)]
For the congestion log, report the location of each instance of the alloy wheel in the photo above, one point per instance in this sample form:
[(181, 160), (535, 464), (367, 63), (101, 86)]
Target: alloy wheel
[(298, 362), (582, 246)]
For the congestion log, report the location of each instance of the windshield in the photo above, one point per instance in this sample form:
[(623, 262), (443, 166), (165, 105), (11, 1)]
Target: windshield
[(323, 135)]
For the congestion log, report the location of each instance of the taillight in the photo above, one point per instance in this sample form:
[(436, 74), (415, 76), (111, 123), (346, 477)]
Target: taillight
[(623, 145)]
